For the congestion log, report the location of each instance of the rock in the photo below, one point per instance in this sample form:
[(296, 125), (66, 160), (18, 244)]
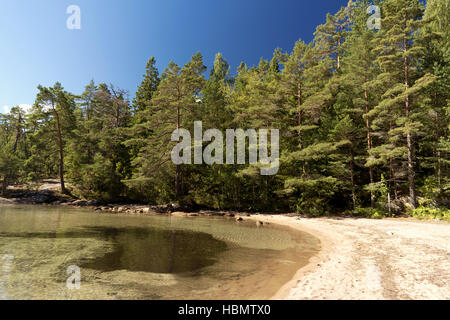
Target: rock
[(39, 199), (178, 214), (239, 219), (175, 207), (80, 203), (146, 210), (259, 223), (93, 203), (161, 209), (193, 215)]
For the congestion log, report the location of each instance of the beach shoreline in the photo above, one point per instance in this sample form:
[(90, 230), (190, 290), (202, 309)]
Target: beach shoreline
[(359, 259), (366, 259)]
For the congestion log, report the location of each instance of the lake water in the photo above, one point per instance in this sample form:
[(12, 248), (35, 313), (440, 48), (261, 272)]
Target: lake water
[(144, 257)]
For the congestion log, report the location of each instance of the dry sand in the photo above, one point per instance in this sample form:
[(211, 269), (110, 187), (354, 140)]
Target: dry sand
[(371, 259)]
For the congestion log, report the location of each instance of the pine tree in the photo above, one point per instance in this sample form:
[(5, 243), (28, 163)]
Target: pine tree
[(213, 185), (148, 86), (363, 116), (434, 36), (97, 157), (358, 74), (398, 53), (329, 37), (172, 108), (12, 137), (56, 106)]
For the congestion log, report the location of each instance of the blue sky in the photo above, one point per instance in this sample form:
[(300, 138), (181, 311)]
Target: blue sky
[(117, 37)]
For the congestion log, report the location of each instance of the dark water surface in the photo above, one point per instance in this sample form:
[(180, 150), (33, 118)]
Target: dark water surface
[(143, 257)]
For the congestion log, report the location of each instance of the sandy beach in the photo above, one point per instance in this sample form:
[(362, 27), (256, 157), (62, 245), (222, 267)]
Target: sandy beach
[(371, 259)]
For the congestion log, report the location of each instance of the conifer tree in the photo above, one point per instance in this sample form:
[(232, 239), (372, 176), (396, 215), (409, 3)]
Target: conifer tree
[(172, 108), (434, 36), (55, 107), (357, 78), (398, 53), (148, 86)]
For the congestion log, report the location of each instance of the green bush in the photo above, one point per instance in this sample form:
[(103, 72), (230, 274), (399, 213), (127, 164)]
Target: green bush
[(431, 213), (369, 213)]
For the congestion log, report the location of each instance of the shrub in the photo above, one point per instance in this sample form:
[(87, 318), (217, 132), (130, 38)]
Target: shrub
[(369, 213), (431, 213)]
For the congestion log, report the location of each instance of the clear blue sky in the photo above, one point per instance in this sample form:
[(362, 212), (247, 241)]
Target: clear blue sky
[(118, 37)]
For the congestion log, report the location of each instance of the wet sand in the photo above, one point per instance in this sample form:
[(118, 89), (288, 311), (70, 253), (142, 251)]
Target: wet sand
[(371, 259)]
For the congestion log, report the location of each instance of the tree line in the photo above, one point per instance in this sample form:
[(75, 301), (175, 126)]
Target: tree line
[(362, 114)]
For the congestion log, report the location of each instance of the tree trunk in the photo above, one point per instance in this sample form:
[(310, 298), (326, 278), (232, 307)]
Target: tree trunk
[(338, 55), (393, 178), (178, 167), (300, 114), (369, 146), (391, 165), (352, 177), (409, 138), (61, 151), (300, 121), (4, 185), (18, 133), (438, 152)]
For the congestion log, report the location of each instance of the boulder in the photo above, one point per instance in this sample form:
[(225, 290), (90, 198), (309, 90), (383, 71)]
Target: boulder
[(93, 203), (80, 203), (178, 214)]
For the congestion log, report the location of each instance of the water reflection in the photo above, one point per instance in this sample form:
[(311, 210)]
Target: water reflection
[(156, 250), (151, 257)]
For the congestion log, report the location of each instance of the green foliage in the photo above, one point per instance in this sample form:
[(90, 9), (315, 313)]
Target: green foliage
[(363, 118), (371, 213), (431, 213), (97, 158)]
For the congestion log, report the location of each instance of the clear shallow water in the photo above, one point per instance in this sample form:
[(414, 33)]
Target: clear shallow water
[(143, 257)]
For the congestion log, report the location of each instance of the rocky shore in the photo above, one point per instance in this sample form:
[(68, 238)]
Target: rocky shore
[(53, 198)]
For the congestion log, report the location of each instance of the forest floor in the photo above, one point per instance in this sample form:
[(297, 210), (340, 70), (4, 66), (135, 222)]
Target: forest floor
[(371, 259)]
